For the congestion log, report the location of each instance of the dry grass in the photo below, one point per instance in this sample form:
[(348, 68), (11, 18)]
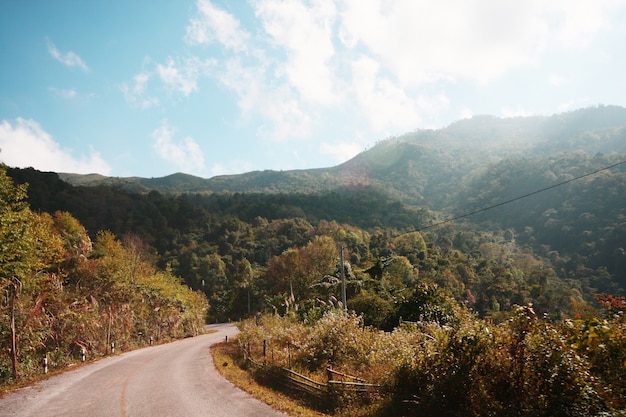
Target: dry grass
[(228, 360)]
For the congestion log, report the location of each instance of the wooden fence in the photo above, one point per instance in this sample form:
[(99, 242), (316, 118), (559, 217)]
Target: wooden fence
[(304, 384), (337, 383), (348, 383)]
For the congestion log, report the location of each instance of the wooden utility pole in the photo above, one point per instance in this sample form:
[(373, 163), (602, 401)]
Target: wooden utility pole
[(343, 283), (14, 289)]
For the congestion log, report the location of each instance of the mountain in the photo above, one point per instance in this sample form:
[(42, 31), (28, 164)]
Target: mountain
[(424, 167), (174, 183), (491, 168)]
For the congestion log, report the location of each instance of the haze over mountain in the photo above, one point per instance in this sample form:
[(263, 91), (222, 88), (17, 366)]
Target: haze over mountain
[(417, 166), (419, 181), (216, 87)]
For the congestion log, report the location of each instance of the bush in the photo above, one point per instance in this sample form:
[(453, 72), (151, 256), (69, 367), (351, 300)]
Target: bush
[(525, 366)]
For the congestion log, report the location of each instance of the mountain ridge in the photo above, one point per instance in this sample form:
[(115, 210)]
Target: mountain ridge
[(406, 165)]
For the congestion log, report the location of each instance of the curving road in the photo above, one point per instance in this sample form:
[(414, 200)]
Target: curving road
[(176, 379)]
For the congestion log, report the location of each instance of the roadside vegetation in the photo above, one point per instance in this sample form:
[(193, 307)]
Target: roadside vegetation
[(455, 365), (229, 361), (64, 296)]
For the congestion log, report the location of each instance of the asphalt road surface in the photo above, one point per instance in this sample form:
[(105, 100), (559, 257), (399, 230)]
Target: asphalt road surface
[(173, 380)]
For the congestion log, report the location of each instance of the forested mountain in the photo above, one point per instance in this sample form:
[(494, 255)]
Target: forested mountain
[(423, 167), (484, 215), (401, 185)]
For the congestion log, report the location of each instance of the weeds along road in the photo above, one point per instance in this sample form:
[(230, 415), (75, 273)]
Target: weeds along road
[(176, 379)]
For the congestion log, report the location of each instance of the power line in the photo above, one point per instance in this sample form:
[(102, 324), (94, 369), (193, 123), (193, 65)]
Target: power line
[(520, 197)]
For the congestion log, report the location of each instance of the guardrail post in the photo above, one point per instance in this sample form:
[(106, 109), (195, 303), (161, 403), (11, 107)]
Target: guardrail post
[(45, 364), (289, 354)]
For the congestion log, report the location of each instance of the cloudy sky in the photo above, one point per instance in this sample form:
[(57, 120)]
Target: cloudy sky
[(150, 88)]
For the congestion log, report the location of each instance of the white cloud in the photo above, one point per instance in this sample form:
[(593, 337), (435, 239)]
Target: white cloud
[(216, 25), (420, 42), (69, 59), (232, 167), (179, 76), (25, 144), (381, 98), (466, 113), (305, 31), (279, 93), (275, 103), (386, 104), (183, 76), (557, 80), (515, 112), (136, 95), (580, 20), (573, 104), (340, 152), (390, 66), (186, 154), (64, 93)]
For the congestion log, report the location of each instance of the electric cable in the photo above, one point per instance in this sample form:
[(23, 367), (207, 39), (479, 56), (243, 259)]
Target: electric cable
[(520, 197)]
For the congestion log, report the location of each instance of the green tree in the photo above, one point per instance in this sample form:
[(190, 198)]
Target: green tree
[(429, 303), (217, 285), (244, 288), (411, 245), (28, 246), (16, 253)]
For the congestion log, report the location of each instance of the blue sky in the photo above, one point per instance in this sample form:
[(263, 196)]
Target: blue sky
[(150, 88)]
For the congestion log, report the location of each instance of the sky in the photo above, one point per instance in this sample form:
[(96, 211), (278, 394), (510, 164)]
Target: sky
[(150, 88)]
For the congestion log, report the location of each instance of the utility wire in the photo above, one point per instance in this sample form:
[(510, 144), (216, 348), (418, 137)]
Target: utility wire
[(520, 197)]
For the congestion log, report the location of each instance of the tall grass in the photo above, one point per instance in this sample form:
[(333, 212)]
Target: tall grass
[(525, 366)]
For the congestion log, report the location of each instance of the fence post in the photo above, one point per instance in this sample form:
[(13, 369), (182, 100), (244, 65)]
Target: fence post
[(45, 364), (264, 352), (289, 355)]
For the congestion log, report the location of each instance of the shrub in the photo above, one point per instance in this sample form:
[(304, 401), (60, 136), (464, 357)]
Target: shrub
[(522, 367), (525, 366)]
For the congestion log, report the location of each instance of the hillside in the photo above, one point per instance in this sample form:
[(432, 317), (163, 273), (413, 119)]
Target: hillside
[(573, 233), (419, 168), (531, 284)]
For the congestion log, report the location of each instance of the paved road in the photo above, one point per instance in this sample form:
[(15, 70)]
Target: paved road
[(177, 379)]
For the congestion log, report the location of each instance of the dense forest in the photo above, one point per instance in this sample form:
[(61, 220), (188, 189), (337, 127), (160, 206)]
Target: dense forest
[(555, 248), (66, 297), (488, 222), (571, 236)]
